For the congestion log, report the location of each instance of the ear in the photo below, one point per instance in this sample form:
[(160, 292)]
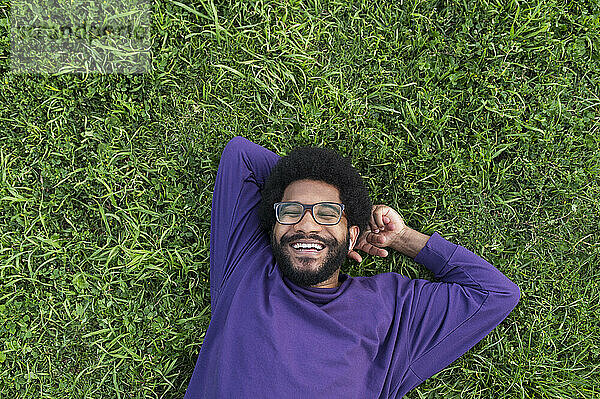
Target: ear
[(353, 232)]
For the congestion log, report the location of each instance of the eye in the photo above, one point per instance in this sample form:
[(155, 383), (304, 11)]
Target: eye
[(290, 211), (328, 212)]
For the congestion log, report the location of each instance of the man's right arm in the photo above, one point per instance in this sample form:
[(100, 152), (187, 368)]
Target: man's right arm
[(235, 224)]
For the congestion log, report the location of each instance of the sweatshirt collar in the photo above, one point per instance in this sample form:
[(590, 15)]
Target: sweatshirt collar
[(320, 295)]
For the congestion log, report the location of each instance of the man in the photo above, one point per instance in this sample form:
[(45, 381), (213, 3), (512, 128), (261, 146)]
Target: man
[(286, 324)]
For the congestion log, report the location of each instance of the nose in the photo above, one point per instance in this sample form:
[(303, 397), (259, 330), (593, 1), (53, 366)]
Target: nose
[(307, 223)]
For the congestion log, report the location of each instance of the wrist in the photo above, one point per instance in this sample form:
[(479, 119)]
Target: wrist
[(410, 242)]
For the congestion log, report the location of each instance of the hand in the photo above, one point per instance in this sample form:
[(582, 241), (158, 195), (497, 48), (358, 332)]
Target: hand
[(386, 227)]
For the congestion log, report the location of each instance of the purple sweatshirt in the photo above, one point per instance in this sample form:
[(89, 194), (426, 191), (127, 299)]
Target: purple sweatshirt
[(371, 337)]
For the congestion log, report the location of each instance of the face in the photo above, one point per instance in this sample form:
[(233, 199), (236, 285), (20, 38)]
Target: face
[(311, 266)]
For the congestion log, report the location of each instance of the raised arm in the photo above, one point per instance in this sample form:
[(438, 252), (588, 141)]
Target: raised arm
[(449, 317), (235, 224), (442, 320)]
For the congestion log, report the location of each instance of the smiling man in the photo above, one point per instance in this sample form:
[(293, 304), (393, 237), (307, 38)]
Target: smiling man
[(286, 324), (310, 250)]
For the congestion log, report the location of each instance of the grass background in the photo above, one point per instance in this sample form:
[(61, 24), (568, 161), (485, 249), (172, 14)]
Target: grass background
[(477, 119)]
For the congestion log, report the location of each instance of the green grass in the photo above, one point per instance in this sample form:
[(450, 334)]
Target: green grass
[(476, 119)]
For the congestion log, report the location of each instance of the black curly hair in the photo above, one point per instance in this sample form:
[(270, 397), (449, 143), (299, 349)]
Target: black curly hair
[(321, 164)]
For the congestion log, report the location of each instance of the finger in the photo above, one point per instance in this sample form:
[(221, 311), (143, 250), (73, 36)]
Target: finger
[(373, 250), (373, 225), (354, 255), (375, 239), (362, 238), (378, 216), (376, 251), (358, 247), (389, 224)]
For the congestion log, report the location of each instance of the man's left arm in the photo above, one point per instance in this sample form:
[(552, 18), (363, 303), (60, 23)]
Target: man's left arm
[(446, 318), (449, 317)]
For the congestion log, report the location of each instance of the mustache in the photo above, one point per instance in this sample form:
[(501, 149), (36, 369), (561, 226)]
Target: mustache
[(288, 239)]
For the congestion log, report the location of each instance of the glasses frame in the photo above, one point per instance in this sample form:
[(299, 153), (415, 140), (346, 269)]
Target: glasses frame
[(304, 208)]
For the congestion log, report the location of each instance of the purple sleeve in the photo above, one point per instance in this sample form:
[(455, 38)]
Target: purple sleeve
[(448, 318), (235, 223)]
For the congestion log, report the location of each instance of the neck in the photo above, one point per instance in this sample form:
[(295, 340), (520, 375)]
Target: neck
[(331, 282)]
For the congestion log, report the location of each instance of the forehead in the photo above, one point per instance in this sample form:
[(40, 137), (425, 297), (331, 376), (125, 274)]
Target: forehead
[(310, 192)]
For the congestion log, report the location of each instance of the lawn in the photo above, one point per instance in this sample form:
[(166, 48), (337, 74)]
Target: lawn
[(476, 119)]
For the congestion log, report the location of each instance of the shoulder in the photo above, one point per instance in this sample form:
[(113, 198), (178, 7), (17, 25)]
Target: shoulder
[(384, 282)]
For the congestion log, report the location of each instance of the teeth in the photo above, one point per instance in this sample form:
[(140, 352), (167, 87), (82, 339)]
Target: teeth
[(301, 245)]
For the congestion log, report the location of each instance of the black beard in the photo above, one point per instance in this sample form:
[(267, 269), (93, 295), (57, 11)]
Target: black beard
[(333, 261)]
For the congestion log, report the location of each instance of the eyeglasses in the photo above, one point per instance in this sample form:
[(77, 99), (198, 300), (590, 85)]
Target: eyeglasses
[(325, 213)]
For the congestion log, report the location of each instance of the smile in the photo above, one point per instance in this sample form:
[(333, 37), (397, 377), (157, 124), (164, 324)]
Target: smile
[(307, 246)]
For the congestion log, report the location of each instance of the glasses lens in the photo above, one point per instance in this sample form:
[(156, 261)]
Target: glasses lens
[(289, 213), (327, 213)]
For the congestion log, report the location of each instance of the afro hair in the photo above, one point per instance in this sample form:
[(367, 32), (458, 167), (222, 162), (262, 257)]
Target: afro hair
[(320, 164)]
